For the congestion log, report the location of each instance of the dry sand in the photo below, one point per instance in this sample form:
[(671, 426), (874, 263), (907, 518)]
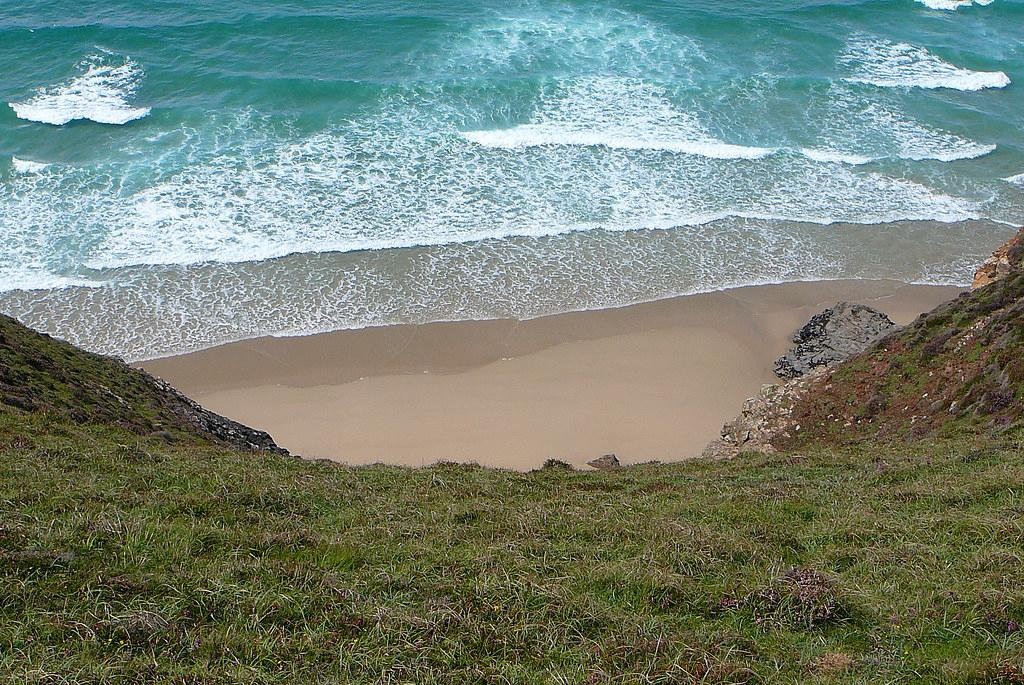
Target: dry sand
[(649, 381)]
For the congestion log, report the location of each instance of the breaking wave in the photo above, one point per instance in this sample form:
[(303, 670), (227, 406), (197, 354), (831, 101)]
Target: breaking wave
[(623, 114), (102, 92), (952, 4), (886, 64), (26, 166)]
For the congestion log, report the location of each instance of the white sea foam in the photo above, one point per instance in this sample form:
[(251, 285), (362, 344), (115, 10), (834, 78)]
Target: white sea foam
[(952, 4), (634, 116), (623, 114), (240, 189), (531, 135), (401, 181), (102, 92), (563, 39), (24, 277), (542, 216), (915, 141), (836, 156), (26, 166), (630, 114), (902, 65), (179, 309), (1016, 180), (856, 128), (321, 195)]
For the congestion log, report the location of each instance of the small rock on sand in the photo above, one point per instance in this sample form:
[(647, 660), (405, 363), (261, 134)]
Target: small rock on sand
[(608, 461)]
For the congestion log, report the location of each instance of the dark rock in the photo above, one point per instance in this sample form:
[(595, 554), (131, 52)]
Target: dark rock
[(19, 402), (608, 461), (832, 336), (222, 428)]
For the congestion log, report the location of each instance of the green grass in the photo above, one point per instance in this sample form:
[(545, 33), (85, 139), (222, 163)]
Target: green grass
[(128, 560)]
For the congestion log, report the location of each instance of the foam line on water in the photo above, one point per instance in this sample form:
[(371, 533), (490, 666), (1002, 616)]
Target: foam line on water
[(617, 113), (181, 308), (827, 155), (855, 127), (531, 135), (951, 5), (887, 64), (217, 213), (239, 187), (1016, 180), (630, 114), (916, 141), (101, 92)]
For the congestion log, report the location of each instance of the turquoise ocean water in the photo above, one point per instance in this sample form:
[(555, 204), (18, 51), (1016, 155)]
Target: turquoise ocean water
[(178, 174)]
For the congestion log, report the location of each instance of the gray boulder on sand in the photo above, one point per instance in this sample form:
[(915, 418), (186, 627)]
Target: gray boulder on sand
[(832, 336), (608, 461)]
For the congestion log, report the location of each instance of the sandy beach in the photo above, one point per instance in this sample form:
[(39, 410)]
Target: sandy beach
[(649, 381)]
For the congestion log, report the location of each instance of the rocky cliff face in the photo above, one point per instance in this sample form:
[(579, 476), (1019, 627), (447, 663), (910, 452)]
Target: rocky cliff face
[(834, 335), (961, 366), (1002, 263), (764, 419), (44, 375)]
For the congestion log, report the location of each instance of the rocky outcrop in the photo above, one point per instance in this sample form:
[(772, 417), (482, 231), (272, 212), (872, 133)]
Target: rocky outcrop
[(1007, 258), (608, 461), (763, 419), (221, 428), (959, 367), (832, 336)]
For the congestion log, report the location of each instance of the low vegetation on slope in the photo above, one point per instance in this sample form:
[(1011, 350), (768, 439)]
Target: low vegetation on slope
[(958, 367), (41, 374), (128, 560)]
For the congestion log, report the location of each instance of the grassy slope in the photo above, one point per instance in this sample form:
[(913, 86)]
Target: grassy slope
[(128, 560), (959, 367), (38, 372), (42, 374)]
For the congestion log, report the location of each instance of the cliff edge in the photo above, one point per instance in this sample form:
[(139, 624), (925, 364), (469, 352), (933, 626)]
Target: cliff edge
[(40, 374), (958, 367)]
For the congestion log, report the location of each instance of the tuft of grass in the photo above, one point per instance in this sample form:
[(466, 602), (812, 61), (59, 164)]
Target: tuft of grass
[(126, 559)]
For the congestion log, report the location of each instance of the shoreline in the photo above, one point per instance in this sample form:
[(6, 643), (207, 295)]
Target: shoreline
[(180, 308), (654, 380), (142, 361)]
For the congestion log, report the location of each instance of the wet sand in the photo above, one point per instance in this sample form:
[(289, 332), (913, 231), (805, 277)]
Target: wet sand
[(649, 381)]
